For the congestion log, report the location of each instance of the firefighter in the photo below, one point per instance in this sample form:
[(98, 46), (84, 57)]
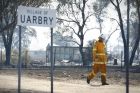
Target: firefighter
[(99, 60)]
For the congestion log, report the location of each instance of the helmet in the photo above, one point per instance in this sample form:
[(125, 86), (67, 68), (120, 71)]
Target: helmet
[(102, 36)]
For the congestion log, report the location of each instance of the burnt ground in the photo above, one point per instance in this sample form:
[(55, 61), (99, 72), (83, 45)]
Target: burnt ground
[(68, 75)]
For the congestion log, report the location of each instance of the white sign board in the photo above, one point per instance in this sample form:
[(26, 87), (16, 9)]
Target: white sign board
[(30, 16)]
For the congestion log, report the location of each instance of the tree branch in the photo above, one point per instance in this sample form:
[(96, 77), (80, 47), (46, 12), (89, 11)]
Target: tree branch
[(115, 20), (111, 35), (120, 1), (73, 13), (72, 29), (89, 16), (69, 21), (113, 3), (90, 29)]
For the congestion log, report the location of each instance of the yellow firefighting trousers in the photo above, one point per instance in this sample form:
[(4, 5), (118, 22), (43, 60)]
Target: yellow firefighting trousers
[(98, 68)]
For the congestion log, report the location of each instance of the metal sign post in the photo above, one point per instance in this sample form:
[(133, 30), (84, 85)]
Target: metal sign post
[(121, 60), (127, 56), (52, 63), (19, 61)]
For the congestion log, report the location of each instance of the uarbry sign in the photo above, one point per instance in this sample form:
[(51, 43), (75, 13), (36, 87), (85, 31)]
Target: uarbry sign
[(30, 16)]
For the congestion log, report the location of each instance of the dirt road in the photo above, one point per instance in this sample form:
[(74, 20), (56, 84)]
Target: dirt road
[(8, 84)]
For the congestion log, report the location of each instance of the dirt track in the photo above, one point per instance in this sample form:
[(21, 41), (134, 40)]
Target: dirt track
[(37, 82), (30, 85)]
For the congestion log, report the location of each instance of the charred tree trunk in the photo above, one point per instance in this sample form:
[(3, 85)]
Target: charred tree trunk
[(117, 6), (81, 48), (8, 55), (138, 36), (7, 39)]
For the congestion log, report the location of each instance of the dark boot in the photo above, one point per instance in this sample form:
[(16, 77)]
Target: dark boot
[(103, 80), (88, 81), (105, 83)]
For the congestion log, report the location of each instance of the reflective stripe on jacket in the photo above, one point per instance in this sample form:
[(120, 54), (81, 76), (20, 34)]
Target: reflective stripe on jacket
[(99, 53)]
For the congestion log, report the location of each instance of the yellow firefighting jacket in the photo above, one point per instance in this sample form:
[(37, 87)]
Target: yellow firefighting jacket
[(99, 53)]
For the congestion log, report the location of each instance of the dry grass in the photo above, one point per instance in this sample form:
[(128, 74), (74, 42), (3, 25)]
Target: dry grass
[(77, 73), (72, 75)]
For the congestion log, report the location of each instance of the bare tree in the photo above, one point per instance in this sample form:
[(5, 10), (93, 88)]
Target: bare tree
[(125, 37), (137, 40), (99, 8), (8, 24), (74, 15)]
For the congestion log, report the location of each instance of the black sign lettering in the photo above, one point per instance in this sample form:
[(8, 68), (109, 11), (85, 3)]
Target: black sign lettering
[(39, 20), (28, 19), (22, 17), (34, 19), (45, 12), (45, 20), (50, 19)]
